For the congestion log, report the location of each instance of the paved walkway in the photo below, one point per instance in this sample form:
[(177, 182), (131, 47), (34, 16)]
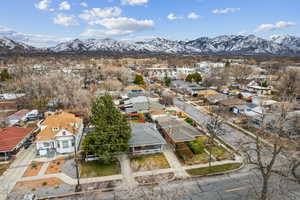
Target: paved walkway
[(174, 163), (43, 169), (15, 172), (128, 179)]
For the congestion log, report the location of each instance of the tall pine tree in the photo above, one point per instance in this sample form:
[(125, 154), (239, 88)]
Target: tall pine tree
[(111, 132)]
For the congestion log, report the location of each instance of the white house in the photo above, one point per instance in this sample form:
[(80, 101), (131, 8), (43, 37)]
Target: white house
[(59, 133)]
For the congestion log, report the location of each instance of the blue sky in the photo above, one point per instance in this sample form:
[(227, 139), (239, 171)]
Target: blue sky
[(46, 22)]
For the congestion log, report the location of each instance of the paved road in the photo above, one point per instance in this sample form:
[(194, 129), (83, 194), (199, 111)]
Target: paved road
[(15, 172), (230, 135), (240, 186)]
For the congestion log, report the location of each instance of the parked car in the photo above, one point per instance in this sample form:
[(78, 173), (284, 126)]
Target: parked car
[(27, 144), (41, 115), (30, 196)]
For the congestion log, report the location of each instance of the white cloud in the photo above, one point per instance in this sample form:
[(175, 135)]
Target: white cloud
[(43, 5), (225, 10), (84, 4), (65, 20), (193, 15), (118, 26), (64, 6), (96, 13), (32, 39), (134, 2), (172, 16), (278, 25)]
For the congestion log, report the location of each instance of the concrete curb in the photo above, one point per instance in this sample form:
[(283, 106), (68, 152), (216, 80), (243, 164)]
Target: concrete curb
[(219, 173)]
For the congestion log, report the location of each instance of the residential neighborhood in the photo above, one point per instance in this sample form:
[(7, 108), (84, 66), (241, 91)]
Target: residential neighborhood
[(145, 131)]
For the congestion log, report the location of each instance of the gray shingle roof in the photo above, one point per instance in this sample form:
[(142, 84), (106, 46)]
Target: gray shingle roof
[(145, 134), (178, 130)]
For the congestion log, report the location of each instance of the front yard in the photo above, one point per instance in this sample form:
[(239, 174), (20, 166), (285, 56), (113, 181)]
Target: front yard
[(213, 169), (197, 152), (3, 168), (33, 169), (55, 166), (96, 168), (149, 162)]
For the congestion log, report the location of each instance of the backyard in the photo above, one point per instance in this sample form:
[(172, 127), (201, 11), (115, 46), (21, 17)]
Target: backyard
[(149, 162), (96, 168)]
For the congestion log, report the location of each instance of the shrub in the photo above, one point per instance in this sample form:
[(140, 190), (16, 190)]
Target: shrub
[(44, 183), (184, 152), (34, 165), (197, 146), (190, 121)]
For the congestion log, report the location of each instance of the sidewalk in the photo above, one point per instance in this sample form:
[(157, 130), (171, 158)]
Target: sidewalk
[(15, 172), (128, 179), (174, 163)]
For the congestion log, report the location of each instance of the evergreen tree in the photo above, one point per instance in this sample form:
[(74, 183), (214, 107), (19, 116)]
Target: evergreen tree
[(167, 81), (139, 80), (4, 75), (227, 64), (111, 132), (194, 77)]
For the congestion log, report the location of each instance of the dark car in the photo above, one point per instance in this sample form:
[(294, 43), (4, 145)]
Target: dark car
[(27, 144)]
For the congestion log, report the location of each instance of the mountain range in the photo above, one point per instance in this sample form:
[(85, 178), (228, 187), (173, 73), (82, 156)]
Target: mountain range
[(280, 45)]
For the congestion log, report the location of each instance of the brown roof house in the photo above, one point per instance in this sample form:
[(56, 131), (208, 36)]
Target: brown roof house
[(60, 133)]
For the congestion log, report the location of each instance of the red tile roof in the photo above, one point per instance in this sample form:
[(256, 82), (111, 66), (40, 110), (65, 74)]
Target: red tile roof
[(10, 137)]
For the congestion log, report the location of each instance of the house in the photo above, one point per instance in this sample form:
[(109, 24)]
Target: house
[(12, 139), (204, 93), (60, 133), (11, 96), (133, 91), (145, 139), (254, 87), (21, 115), (154, 114), (141, 104), (176, 131), (249, 110), (230, 102), (215, 98)]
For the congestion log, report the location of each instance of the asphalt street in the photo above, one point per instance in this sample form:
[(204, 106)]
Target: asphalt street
[(244, 185)]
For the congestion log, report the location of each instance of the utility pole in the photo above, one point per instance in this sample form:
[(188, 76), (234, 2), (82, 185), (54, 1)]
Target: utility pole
[(77, 187)]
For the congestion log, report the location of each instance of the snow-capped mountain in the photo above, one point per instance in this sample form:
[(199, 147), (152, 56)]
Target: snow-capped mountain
[(155, 45), (238, 44), (288, 41), (283, 45), (8, 46)]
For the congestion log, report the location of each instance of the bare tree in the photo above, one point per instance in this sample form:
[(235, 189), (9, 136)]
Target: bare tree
[(266, 157), (214, 127)]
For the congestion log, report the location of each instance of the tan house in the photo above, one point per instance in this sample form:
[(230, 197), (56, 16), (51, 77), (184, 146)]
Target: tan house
[(59, 133)]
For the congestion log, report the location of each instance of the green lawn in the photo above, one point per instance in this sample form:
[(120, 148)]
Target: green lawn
[(3, 168), (95, 169), (149, 162), (221, 154), (214, 169)]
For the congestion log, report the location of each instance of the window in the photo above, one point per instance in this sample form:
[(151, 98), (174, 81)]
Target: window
[(46, 144), (65, 144), (73, 143)]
